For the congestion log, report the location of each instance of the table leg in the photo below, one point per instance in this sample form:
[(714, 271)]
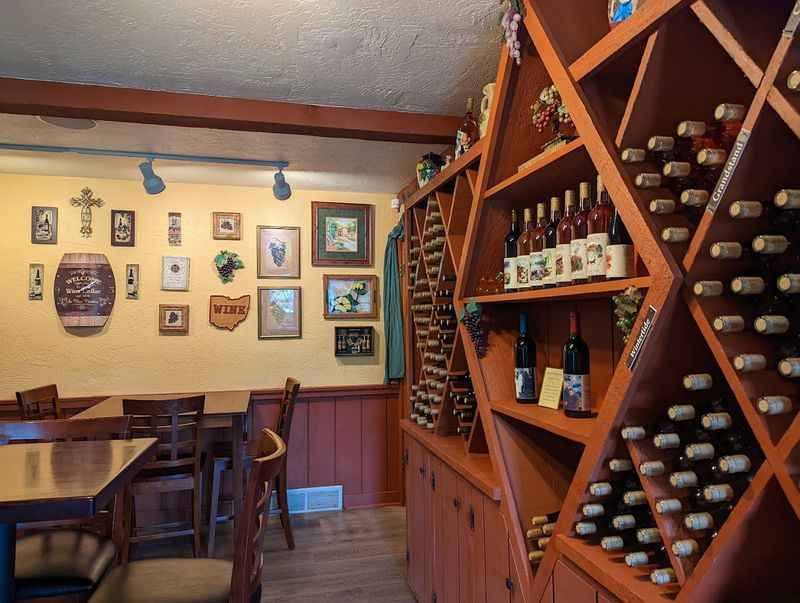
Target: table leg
[(8, 546), (238, 467)]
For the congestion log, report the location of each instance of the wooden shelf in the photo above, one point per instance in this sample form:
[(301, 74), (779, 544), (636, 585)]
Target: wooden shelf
[(549, 419), (446, 175), (587, 291), (475, 468)]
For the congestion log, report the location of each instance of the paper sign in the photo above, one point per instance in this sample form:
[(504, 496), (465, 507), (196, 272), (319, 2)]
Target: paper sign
[(550, 396)]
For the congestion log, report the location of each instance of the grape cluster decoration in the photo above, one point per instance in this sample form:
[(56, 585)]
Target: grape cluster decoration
[(626, 308), (227, 262), (511, 20), (550, 111), (470, 317)]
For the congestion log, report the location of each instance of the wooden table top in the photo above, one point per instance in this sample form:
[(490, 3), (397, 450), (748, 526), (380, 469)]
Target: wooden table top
[(66, 480), (217, 403)]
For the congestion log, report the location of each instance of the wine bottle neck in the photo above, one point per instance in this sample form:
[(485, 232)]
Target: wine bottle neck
[(574, 325)]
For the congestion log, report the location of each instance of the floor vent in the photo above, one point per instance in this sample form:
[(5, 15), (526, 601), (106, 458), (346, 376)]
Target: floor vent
[(311, 500)]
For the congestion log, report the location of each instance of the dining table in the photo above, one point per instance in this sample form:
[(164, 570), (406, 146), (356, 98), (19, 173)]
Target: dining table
[(61, 481), (226, 411)]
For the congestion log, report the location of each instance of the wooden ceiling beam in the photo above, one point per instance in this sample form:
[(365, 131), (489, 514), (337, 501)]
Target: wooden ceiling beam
[(57, 99)]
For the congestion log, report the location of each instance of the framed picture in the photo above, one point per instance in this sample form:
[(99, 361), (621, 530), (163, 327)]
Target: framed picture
[(278, 251), (355, 341), (280, 313), (350, 296), (132, 281), (173, 319), (44, 225), (174, 234), (174, 273), (123, 228), (226, 225), (342, 234), (36, 282)]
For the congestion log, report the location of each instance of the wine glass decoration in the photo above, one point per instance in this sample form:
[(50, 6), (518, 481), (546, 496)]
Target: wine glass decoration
[(470, 317), (626, 308), (549, 111), (227, 262), (510, 19)]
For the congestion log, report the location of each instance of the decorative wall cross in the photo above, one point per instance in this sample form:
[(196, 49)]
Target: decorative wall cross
[(86, 201)]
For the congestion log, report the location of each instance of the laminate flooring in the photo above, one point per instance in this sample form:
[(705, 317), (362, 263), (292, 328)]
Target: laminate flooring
[(351, 556)]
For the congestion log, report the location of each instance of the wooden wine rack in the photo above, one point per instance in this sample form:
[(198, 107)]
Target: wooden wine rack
[(672, 60)]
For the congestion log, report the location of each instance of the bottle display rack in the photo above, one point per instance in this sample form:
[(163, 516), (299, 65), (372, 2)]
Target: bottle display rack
[(672, 61)]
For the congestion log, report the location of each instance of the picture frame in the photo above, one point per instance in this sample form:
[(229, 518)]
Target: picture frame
[(174, 229), (226, 226), (349, 296), (173, 319), (123, 228), (132, 281), (342, 234), (354, 341), (278, 251), (44, 225), (280, 313), (36, 282), (175, 273)]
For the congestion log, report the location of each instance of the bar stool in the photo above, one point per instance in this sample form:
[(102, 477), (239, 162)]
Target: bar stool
[(221, 461), (39, 403)]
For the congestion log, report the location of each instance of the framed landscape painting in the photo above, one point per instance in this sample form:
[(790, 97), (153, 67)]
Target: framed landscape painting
[(342, 234), (350, 296), (278, 251), (280, 313)]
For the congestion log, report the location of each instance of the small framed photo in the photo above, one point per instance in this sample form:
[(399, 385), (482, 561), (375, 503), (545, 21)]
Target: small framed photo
[(278, 251), (280, 313), (36, 282), (44, 225), (174, 273), (132, 281), (226, 225), (123, 228), (342, 234), (355, 341), (350, 296), (173, 319), (174, 234)]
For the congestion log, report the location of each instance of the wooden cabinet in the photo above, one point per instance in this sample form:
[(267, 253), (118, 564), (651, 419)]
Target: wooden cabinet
[(568, 584), (446, 528)]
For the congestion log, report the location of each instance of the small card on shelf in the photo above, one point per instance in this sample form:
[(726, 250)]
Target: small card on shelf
[(550, 395)]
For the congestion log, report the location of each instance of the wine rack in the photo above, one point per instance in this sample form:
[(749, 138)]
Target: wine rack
[(672, 61)]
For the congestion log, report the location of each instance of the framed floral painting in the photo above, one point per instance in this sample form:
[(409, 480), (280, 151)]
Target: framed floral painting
[(342, 234), (278, 251), (350, 296), (280, 313)]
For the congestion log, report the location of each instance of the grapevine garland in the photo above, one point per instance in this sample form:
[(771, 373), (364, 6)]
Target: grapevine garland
[(626, 309), (226, 262), (511, 19), (470, 317)]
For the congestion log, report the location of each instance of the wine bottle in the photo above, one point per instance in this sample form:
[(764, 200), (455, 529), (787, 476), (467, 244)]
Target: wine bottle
[(563, 239), (580, 232), (617, 542), (663, 576), (524, 252), (540, 520), (698, 381), (707, 520), (525, 364), (793, 81), (576, 393), (597, 239), (510, 259), (655, 557), (675, 234), (787, 199), (774, 405), (619, 252), (550, 237), (537, 259), (686, 547), (468, 133)]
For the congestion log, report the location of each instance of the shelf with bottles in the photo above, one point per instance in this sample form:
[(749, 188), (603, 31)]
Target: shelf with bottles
[(784, 96), (444, 180), (550, 419)]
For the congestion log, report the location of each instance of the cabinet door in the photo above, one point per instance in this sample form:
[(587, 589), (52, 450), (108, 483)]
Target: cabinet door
[(471, 544), (414, 517), (446, 567), (570, 585), (547, 597), (498, 572), (426, 501), (516, 584)]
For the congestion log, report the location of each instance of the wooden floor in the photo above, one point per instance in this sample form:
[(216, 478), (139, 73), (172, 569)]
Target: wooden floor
[(356, 556)]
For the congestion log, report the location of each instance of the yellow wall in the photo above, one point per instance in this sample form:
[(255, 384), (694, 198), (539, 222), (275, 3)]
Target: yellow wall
[(128, 355)]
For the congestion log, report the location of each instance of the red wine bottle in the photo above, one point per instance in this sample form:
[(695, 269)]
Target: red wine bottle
[(510, 259), (525, 364), (619, 251), (576, 395)]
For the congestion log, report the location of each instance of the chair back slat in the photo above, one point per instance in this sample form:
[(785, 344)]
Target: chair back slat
[(39, 403), (248, 560), (176, 425), (286, 411), (65, 430)]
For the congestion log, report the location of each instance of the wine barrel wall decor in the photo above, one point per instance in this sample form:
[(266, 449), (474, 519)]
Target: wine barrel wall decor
[(84, 290)]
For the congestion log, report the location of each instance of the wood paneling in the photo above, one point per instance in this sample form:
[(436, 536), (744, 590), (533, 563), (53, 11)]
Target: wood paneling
[(321, 442), (498, 571)]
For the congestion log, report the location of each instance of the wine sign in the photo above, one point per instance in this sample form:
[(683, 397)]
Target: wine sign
[(641, 338), (84, 290), (228, 313)]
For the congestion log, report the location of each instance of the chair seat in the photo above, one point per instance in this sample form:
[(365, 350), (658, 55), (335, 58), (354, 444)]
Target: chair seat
[(167, 581), (61, 562)]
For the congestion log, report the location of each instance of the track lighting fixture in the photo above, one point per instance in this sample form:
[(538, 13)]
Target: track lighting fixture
[(281, 188), (153, 184)]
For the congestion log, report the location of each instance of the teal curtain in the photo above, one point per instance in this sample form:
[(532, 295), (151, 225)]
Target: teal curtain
[(392, 309)]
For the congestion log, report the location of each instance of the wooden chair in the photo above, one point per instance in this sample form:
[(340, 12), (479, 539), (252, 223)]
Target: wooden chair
[(222, 462), (39, 403), (66, 559), (178, 465), (208, 580)]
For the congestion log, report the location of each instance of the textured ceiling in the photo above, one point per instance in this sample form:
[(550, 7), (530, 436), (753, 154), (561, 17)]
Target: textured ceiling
[(409, 55), (315, 163)]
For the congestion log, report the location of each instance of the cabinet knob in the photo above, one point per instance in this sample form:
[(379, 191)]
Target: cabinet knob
[(456, 503), (509, 584)]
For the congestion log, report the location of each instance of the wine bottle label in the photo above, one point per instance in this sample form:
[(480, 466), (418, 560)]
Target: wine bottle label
[(525, 383), (623, 522), (633, 433), (787, 199), (600, 489), (728, 250), (585, 528), (715, 421), (563, 263), (712, 157), (748, 285), (619, 465), (537, 265), (596, 254), (510, 273), (578, 259), (746, 363), (593, 510), (636, 559), (700, 452), (662, 206), (666, 441), (728, 324), (770, 324), (683, 479), (718, 493), (681, 412), (549, 269), (745, 209), (789, 367), (663, 576), (619, 261), (729, 112), (577, 393), (676, 169), (668, 506), (697, 381), (694, 197), (735, 463), (634, 498), (633, 155), (612, 543), (685, 548), (523, 271), (698, 521), (687, 129), (773, 405), (789, 283), (652, 468), (647, 180), (648, 535), (675, 234), (535, 556), (661, 143)]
